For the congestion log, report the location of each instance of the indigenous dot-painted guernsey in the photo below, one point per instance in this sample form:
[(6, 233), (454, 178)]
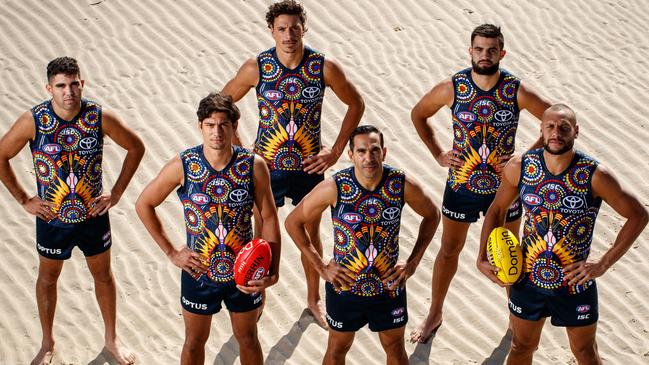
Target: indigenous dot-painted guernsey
[(67, 159), (290, 103), (218, 209), (560, 214), (484, 128), (366, 229)]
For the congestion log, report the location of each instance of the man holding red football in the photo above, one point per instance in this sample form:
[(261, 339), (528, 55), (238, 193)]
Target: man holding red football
[(561, 190), (217, 183), (365, 280)]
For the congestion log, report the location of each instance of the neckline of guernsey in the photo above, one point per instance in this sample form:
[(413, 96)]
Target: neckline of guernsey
[(304, 56), (81, 110), (500, 79), (207, 163), (378, 187), (574, 160)]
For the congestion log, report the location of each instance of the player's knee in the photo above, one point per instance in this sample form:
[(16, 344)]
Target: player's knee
[(47, 278), (522, 346), (246, 338), (102, 277), (450, 249), (339, 347), (195, 342), (394, 347)]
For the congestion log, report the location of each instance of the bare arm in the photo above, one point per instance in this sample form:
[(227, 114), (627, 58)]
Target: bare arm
[(246, 78), (170, 177), (495, 217), (22, 131), (347, 93), (423, 205), (439, 96), (270, 229), (114, 128), (535, 104), (309, 209), (606, 186)]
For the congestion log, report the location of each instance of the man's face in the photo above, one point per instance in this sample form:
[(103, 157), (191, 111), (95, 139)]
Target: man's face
[(485, 55), (287, 31), (217, 131), (367, 156), (66, 91), (559, 131)]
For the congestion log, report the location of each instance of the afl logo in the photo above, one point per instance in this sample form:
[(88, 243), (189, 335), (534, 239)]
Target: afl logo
[(88, 143), (200, 198), (311, 92), (52, 148), (503, 115), (258, 273), (532, 199), (391, 213), (239, 195), (397, 312), (573, 202), (466, 117), (583, 308), (273, 94), (352, 218)]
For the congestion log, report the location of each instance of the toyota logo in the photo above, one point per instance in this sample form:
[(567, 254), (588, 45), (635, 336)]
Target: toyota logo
[(310, 92), (88, 143), (573, 202), (503, 115), (391, 213), (239, 195)]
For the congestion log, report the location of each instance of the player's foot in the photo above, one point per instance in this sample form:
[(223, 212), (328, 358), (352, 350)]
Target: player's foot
[(319, 312), (122, 354), (426, 330), (44, 356)]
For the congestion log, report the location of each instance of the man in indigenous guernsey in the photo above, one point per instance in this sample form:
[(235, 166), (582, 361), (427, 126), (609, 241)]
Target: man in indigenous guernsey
[(365, 279), (561, 190), (65, 135), (217, 184), (485, 102), (290, 81)]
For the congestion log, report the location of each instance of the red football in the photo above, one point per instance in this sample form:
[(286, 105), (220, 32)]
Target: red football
[(253, 261)]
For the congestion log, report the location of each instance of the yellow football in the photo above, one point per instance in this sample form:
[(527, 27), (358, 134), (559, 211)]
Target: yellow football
[(504, 252)]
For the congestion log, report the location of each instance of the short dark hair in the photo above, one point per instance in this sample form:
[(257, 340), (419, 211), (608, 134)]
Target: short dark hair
[(488, 31), (560, 107), (364, 129), (217, 103), (286, 7), (63, 65)]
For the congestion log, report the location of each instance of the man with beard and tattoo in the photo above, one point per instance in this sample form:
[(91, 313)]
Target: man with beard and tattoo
[(485, 103), (562, 190)]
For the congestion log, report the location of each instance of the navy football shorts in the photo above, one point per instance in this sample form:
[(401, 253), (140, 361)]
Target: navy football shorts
[(292, 184), (349, 313), (467, 208), (202, 297), (576, 310), (56, 242)]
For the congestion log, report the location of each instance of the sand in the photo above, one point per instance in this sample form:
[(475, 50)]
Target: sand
[(152, 61)]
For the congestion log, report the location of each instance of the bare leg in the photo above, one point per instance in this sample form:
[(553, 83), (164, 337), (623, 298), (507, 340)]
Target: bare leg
[(244, 326), (106, 294), (583, 344), (453, 238), (46, 295), (394, 344), (337, 347), (525, 339), (314, 302), (197, 331)]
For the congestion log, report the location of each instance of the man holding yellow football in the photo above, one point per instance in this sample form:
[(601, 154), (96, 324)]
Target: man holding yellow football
[(561, 190)]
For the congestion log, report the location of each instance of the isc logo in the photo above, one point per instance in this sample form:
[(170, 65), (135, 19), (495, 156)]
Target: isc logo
[(273, 94)]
